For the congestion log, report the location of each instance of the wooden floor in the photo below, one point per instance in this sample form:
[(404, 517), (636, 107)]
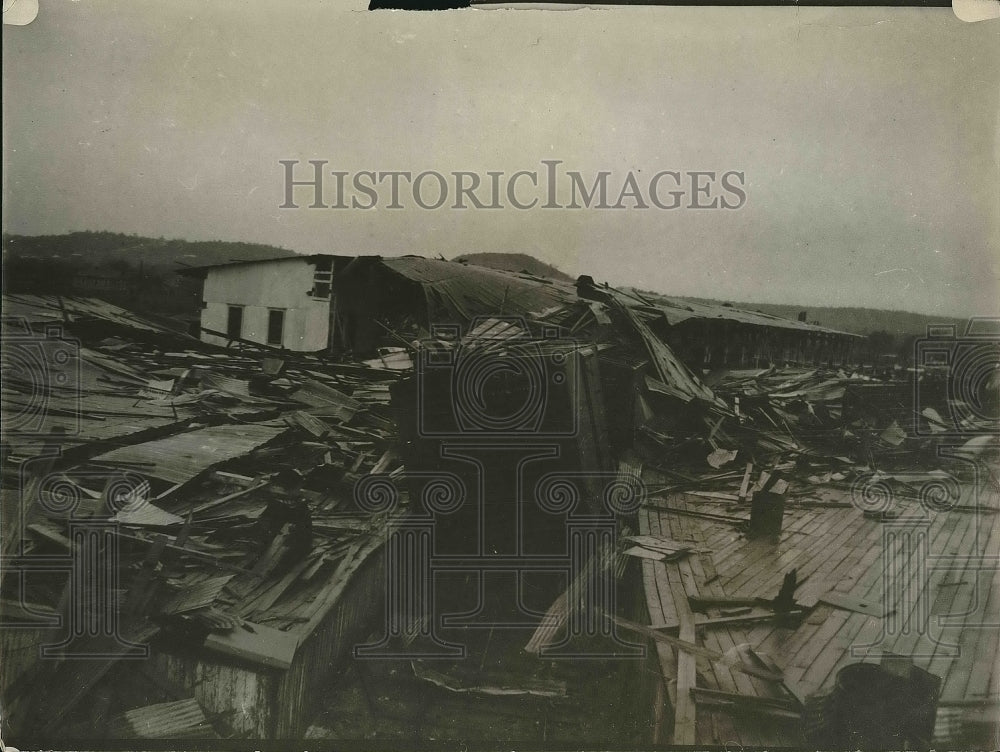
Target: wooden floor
[(935, 573)]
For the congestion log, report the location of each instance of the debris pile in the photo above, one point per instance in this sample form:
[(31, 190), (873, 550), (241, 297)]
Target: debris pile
[(750, 506), (768, 492), (214, 488)]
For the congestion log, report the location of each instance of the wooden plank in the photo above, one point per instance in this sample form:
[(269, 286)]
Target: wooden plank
[(256, 643), (659, 706), (741, 620), (685, 713), (785, 557), (754, 701), (644, 553), (308, 423), (269, 595), (701, 565), (683, 584), (555, 617), (981, 662), (947, 533), (658, 542), (836, 652), (730, 520), (836, 568), (695, 649), (822, 552), (653, 604), (868, 606), (912, 597), (735, 680), (744, 555), (745, 485), (650, 524), (984, 651)]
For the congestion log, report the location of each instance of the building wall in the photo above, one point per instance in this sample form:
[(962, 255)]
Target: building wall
[(283, 284), (708, 343), (267, 703)]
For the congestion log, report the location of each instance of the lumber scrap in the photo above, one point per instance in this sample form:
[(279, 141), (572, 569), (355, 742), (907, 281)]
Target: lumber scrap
[(696, 650), (256, 643), (745, 485), (309, 423), (686, 710), (558, 613), (528, 686)]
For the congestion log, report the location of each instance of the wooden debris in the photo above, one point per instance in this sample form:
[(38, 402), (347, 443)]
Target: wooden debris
[(645, 553), (696, 650), (191, 598), (744, 486), (313, 425), (685, 712), (255, 643), (869, 607), (526, 686)]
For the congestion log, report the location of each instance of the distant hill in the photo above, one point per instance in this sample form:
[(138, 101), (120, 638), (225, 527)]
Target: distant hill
[(515, 262), (132, 271), (900, 324), (48, 263), (100, 248)]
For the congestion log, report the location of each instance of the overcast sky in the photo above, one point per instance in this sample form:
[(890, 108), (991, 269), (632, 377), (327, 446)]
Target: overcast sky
[(868, 137)]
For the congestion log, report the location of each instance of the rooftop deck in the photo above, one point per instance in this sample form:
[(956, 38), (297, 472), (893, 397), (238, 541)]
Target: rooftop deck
[(923, 585)]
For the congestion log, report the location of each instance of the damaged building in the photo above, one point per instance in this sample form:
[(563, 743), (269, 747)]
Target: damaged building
[(348, 304), (469, 475)]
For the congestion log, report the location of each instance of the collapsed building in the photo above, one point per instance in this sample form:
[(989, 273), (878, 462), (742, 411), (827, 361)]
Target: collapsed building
[(348, 304), (469, 475)]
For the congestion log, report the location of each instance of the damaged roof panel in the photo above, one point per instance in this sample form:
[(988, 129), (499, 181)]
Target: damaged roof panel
[(467, 291), (179, 458)]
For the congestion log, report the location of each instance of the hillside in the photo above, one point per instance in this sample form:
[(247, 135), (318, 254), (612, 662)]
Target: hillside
[(48, 263), (899, 324), (515, 262), (132, 271), (99, 248)]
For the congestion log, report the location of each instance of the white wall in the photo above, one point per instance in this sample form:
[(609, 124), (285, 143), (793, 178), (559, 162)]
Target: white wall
[(259, 287)]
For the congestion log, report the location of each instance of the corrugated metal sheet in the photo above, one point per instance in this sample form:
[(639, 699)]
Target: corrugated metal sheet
[(179, 458), (166, 720), (196, 596), (142, 512), (318, 394), (44, 309), (243, 694)]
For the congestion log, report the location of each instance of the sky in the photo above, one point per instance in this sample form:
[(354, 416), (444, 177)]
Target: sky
[(868, 138)]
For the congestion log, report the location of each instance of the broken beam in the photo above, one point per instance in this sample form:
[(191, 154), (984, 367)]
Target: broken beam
[(695, 649)]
